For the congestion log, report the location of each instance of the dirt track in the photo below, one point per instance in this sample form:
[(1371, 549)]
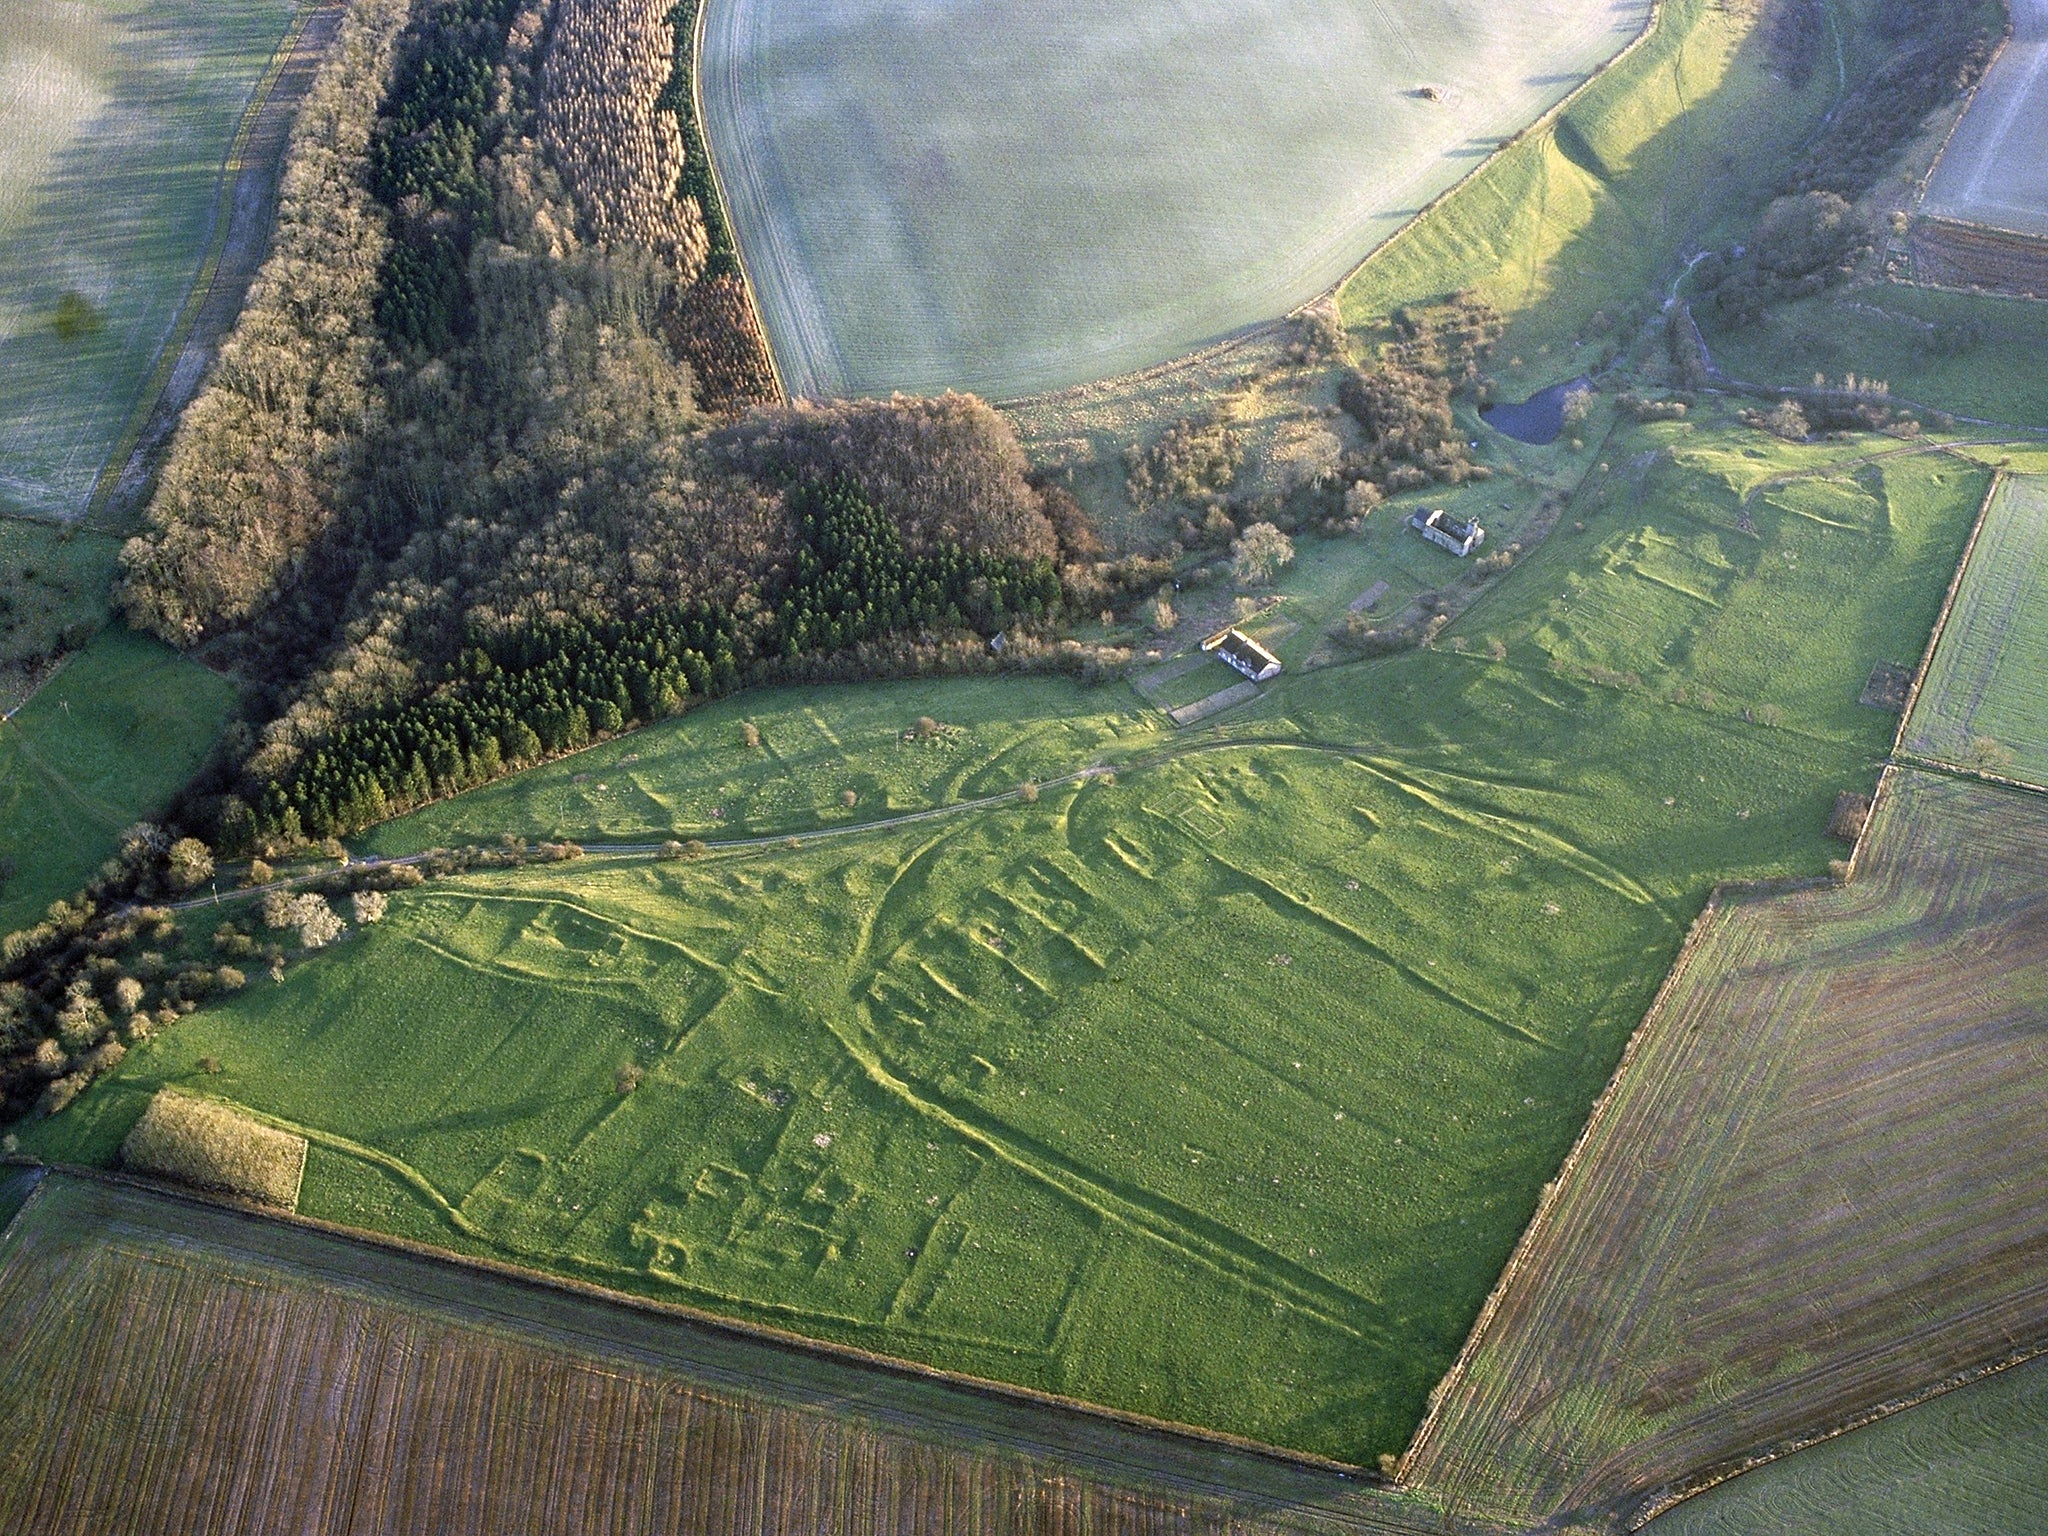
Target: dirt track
[(248, 202)]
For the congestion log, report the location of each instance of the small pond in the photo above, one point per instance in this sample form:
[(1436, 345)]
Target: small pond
[(1538, 419)]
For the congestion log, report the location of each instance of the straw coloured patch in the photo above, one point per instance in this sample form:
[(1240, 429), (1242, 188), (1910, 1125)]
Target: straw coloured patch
[(199, 1141)]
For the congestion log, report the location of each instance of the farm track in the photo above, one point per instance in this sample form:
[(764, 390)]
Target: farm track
[(246, 203), (383, 1390), (1812, 1189)]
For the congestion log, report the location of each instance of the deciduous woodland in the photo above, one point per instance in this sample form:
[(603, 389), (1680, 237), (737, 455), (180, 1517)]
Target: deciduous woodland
[(460, 420)]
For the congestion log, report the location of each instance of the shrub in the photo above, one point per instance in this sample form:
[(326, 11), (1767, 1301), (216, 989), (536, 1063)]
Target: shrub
[(1197, 456), (628, 1077), (1259, 553), (1028, 793), (750, 734), (318, 923)]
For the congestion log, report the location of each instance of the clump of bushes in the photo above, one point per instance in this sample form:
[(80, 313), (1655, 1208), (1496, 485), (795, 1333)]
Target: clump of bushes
[(1191, 459), (1642, 408)]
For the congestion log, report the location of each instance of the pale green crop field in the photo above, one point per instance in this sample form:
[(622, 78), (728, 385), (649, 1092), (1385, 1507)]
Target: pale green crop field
[(1966, 1464), (1984, 703), (1011, 198), (115, 119), (1995, 169)]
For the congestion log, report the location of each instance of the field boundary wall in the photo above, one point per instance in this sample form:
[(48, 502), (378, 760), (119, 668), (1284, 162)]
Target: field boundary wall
[(711, 1322), (732, 228)]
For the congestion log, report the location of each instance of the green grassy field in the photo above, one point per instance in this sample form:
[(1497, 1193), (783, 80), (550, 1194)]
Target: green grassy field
[(978, 197), (1972, 354), (1984, 703), (105, 743), (53, 592), (1219, 1090), (115, 119), (1967, 1463), (697, 778), (1574, 230)]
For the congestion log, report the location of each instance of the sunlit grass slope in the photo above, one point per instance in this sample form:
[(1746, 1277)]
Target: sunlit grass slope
[(1591, 213)]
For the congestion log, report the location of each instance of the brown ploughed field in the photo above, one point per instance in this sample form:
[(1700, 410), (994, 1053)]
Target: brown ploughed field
[(1814, 1189)]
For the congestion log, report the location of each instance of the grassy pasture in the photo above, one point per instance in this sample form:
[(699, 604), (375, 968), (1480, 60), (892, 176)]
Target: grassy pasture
[(1234, 1079), (115, 118), (1984, 703), (978, 197), (106, 742), (1574, 230), (53, 594), (1811, 1192), (1889, 331), (697, 778), (1967, 1463), (1995, 168), (236, 1364)]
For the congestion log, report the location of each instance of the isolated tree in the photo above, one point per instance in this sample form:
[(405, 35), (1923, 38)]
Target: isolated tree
[(1578, 405), (1259, 553), (750, 734), (189, 863), (368, 906), (1160, 614)]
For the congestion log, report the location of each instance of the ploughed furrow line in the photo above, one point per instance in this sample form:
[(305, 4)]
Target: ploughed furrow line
[(177, 1368), (1814, 1188)]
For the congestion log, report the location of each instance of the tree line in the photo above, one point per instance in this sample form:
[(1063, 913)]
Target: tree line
[(521, 694)]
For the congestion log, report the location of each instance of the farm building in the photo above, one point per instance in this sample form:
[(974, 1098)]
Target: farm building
[(1459, 535), (1244, 653)]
